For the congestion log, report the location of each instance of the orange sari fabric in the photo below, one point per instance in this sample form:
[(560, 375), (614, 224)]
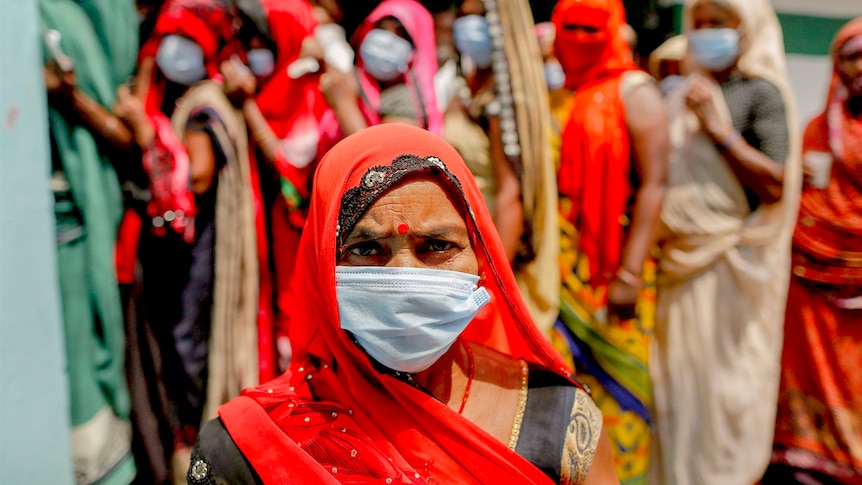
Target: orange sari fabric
[(820, 408), (595, 158), (332, 418)]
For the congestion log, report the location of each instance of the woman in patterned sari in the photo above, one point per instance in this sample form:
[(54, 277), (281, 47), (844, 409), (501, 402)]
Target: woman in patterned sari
[(611, 180), (88, 144), (733, 188)]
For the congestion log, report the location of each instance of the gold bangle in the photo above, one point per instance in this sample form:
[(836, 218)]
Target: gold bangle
[(629, 278)]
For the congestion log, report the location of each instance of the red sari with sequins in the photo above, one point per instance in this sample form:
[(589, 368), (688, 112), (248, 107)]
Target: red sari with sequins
[(333, 418), (819, 424)]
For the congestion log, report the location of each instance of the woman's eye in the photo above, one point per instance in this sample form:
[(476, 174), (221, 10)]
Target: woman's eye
[(438, 245), (581, 28), (364, 249)]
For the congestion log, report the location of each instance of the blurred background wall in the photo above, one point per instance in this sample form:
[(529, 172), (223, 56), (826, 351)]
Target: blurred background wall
[(34, 422)]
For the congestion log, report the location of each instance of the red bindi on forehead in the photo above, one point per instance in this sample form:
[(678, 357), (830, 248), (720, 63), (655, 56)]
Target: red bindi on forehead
[(403, 228)]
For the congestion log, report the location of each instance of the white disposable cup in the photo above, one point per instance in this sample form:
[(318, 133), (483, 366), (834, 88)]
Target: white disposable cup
[(821, 165)]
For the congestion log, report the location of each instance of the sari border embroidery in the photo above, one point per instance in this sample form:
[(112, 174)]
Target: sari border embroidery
[(582, 439)]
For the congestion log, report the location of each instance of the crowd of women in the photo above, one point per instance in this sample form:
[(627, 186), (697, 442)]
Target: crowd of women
[(566, 269)]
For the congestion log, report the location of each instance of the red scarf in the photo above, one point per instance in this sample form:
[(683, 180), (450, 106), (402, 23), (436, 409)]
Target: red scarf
[(290, 105), (363, 414), (286, 104), (828, 236), (595, 153)]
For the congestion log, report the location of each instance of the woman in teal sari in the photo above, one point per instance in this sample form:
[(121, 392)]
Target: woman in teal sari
[(99, 38)]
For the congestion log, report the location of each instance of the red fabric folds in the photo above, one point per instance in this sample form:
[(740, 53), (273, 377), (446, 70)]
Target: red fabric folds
[(292, 108), (595, 158), (388, 423), (820, 401), (828, 238)]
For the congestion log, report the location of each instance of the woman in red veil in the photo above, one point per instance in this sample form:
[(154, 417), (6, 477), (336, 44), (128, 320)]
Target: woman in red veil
[(496, 403)]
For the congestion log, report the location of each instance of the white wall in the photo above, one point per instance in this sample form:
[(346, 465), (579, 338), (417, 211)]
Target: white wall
[(34, 408), (810, 76)]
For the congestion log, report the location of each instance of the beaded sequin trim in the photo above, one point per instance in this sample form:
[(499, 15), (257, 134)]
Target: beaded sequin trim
[(522, 407), (200, 470)]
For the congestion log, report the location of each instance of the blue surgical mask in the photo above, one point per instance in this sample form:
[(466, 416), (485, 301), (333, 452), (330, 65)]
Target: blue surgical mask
[(714, 49), (385, 55), (406, 318), (261, 62), (181, 60), (555, 77), (473, 39)]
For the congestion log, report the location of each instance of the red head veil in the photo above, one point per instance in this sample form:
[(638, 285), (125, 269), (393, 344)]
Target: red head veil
[(590, 56), (283, 100), (207, 22), (421, 436)]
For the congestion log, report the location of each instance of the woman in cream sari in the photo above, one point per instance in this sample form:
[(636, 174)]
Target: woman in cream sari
[(734, 186)]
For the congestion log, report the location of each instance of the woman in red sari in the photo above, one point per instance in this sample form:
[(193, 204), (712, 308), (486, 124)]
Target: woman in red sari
[(283, 118), (197, 247), (398, 256), (818, 436)]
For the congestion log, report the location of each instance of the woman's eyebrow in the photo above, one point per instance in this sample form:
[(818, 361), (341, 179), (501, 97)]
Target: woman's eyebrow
[(444, 230), (366, 234)]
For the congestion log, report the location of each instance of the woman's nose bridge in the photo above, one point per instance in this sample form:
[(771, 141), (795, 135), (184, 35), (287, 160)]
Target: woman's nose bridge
[(405, 258)]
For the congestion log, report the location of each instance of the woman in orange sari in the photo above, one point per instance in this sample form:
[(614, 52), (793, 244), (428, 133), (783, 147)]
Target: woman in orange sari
[(818, 436), (613, 160)]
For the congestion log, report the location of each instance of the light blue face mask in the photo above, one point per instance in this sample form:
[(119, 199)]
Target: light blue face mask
[(714, 49), (261, 62), (473, 39), (406, 318), (181, 60), (555, 77), (385, 55)]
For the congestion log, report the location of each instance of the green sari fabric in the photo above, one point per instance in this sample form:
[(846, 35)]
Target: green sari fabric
[(100, 37)]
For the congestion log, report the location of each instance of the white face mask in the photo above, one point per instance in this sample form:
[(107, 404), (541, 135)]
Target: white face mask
[(406, 318), (473, 39), (261, 62), (555, 77), (714, 49), (181, 60), (300, 148), (385, 55)]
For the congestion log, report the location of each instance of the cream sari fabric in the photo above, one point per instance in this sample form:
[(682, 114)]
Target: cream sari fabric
[(715, 362), (233, 359)]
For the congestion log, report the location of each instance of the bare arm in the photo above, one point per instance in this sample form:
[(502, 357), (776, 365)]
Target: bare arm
[(342, 94), (647, 119), (603, 471), (65, 95), (508, 208), (202, 163), (262, 134), (753, 168)]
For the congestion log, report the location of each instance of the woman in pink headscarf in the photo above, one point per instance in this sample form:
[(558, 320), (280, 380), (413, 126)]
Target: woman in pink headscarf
[(394, 79)]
